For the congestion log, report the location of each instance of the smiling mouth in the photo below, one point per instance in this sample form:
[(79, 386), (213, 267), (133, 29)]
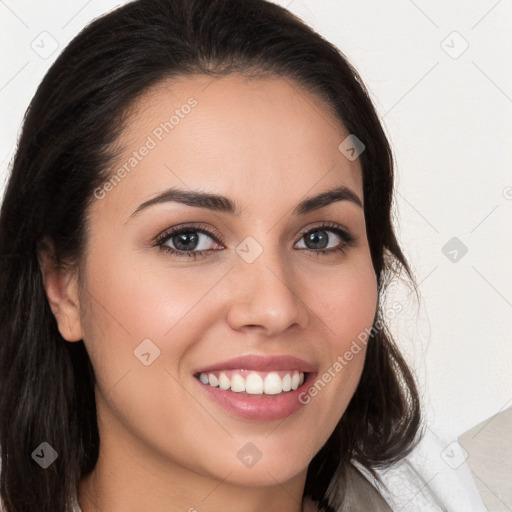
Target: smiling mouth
[(254, 383)]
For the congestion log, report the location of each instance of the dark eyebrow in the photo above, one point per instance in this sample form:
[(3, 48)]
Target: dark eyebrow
[(224, 205), (341, 193)]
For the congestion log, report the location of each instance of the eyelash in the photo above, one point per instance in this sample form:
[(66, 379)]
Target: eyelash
[(348, 239)]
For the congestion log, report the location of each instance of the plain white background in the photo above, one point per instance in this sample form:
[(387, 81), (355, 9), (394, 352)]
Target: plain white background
[(439, 74)]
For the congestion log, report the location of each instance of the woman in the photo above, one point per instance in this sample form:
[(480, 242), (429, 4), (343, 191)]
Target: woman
[(195, 246)]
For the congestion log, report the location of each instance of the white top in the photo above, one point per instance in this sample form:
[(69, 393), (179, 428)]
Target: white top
[(433, 477)]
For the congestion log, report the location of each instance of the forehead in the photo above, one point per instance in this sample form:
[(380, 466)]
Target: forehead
[(264, 139)]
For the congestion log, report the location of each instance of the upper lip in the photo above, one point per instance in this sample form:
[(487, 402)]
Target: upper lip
[(260, 363)]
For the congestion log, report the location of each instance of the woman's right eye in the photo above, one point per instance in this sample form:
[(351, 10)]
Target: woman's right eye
[(188, 241)]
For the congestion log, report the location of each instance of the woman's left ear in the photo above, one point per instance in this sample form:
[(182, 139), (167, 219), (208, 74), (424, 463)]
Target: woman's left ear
[(61, 287)]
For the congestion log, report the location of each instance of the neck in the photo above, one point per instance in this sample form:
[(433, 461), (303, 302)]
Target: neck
[(129, 477), (122, 493)]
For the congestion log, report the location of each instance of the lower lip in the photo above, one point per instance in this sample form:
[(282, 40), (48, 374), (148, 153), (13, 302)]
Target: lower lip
[(257, 407)]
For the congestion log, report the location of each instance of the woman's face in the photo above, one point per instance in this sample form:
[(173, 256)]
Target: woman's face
[(248, 282)]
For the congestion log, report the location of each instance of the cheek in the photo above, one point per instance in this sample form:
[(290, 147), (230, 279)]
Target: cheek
[(130, 300), (348, 303), (346, 311)]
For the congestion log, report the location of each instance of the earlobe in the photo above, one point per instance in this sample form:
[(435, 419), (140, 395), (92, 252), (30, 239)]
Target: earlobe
[(61, 287)]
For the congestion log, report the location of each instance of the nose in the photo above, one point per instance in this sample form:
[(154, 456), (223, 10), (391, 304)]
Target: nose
[(264, 295)]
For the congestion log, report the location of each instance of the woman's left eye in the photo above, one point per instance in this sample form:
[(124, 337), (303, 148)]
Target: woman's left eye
[(192, 241), (320, 239)]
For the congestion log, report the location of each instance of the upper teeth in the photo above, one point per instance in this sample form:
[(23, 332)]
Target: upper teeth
[(255, 383)]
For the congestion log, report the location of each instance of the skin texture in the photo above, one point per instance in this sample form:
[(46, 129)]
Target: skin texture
[(266, 144)]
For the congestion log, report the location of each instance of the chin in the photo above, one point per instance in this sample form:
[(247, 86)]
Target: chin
[(261, 474)]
